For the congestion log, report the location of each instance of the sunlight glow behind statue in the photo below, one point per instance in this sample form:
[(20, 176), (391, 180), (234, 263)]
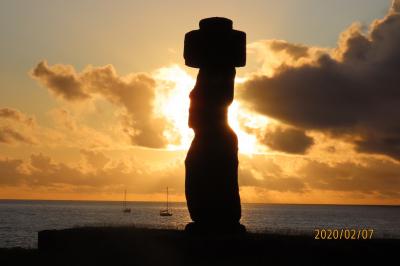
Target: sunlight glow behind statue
[(211, 181)]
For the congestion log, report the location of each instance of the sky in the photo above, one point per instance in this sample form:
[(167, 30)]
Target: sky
[(94, 99)]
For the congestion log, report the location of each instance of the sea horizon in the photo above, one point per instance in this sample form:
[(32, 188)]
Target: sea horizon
[(155, 201), (21, 220)]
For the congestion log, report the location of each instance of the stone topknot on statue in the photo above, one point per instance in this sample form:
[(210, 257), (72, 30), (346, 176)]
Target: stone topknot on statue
[(215, 44)]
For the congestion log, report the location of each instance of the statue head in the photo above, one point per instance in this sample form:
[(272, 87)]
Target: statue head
[(215, 44)]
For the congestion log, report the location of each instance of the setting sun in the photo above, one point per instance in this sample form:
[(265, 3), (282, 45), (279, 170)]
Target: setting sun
[(172, 101), (101, 102)]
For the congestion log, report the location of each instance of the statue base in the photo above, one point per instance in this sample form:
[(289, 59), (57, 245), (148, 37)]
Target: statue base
[(215, 228)]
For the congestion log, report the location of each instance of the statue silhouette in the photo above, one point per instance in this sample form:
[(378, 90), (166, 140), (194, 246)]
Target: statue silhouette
[(211, 181)]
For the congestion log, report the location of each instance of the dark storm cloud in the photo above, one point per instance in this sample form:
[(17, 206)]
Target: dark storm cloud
[(353, 92), (288, 140), (135, 93)]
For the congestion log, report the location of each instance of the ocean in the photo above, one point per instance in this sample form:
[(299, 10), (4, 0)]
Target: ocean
[(20, 220)]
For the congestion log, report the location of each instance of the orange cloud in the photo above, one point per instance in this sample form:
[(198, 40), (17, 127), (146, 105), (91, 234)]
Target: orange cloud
[(369, 178), (16, 116), (135, 93), (95, 173), (16, 127), (270, 178), (380, 178), (9, 136)]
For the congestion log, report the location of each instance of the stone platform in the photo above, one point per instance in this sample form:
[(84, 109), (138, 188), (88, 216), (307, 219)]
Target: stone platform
[(141, 246)]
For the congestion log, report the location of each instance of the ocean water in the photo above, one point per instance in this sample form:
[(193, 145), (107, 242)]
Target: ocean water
[(21, 220)]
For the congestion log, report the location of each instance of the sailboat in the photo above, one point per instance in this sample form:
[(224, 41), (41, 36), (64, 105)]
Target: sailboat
[(166, 211), (125, 209)]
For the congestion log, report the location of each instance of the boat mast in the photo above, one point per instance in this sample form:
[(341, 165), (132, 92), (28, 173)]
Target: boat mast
[(125, 199), (167, 198)]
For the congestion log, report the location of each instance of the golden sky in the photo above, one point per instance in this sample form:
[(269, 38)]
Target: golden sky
[(94, 99)]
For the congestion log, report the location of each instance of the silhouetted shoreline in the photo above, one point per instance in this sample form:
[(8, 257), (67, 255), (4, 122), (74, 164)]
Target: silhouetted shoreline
[(142, 246)]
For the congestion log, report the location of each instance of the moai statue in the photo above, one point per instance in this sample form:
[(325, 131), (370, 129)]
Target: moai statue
[(211, 181)]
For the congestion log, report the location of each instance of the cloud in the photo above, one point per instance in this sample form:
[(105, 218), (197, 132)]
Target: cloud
[(395, 6), (98, 173), (63, 118), (10, 171), (369, 177), (249, 178), (274, 53), (351, 92), (266, 174), (102, 175), (296, 51), (15, 115), (10, 136), (288, 140), (135, 93), (62, 80), (16, 127), (372, 176), (95, 159)]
